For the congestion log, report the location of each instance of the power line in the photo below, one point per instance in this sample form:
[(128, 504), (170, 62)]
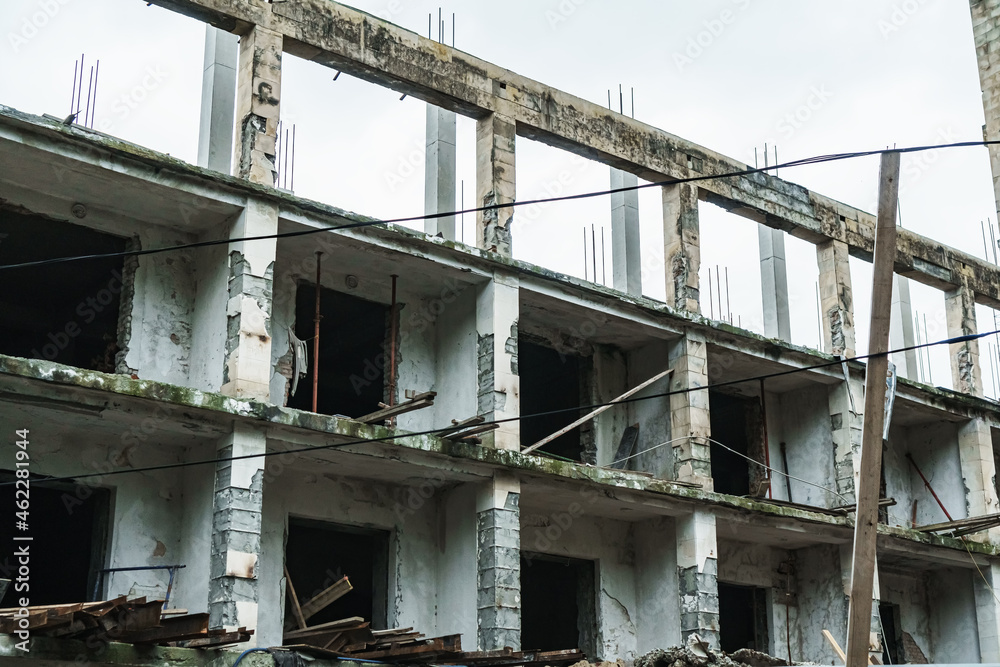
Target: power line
[(492, 207), (451, 428)]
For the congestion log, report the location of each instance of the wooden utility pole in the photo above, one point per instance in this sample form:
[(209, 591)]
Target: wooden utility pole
[(866, 519)]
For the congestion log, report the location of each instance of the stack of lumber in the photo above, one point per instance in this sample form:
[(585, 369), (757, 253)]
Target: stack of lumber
[(963, 526), (134, 621)]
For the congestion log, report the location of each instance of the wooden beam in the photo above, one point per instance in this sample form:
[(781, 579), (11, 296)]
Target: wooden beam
[(352, 623), (418, 402), (866, 519), (296, 608), (590, 415), (459, 425), (325, 598), (625, 447)]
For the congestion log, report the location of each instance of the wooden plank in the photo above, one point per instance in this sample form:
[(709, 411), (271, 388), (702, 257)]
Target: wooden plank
[(352, 623), (625, 447), (959, 523), (836, 647), (418, 402), (234, 637), (866, 519), (192, 626), (473, 431), (293, 596), (325, 598), (459, 425), (590, 415), (423, 650), (393, 631)]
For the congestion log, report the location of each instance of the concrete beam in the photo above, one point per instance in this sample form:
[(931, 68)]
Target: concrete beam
[(681, 246), (498, 539), (690, 423), (626, 250), (439, 171), (960, 314), (836, 298), (495, 182), (901, 329), (497, 309), (698, 570), (247, 372), (258, 95), (774, 283), (233, 593), (378, 51), (218, 100)]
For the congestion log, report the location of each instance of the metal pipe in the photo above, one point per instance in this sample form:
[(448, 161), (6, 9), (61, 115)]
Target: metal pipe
[(585, 275), (909, 458), (593, 249), (728, 310), (291, 185), (718, 289), (79, 91), (788, 480), (711, 300), (97, 76), (763, 418), (392, 345), (604, 273), (316, 320), (90, 85)]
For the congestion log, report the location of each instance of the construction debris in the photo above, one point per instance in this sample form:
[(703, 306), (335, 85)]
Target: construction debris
[(134, 621), (694, 655)]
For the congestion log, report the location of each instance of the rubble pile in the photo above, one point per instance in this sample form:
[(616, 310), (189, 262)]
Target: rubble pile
[(694, 655)]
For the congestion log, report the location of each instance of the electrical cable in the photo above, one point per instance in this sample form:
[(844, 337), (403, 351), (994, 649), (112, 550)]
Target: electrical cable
[(493, 207), (576, 409)]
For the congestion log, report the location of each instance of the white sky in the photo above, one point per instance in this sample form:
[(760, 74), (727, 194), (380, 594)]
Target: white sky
[(728, 74)]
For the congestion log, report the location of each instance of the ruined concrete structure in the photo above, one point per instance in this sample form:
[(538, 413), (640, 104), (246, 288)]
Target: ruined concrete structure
[(186, 356)]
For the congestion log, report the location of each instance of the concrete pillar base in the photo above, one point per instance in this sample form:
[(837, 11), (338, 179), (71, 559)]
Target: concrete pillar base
[(498, 535), (697, 570)]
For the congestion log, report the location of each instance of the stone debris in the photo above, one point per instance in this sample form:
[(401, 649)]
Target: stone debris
[(694, 656)]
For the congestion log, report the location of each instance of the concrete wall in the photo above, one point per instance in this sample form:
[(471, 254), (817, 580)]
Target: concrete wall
[(415, 524), (610, 544), (801, 420), (909, 591), (652, 415), (934, 447), (952, 605), (162, 310), (821, 604), (658, 616)]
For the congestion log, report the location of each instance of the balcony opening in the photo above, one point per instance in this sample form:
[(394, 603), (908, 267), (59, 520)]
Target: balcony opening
[(550, 380), (742, 617), (736, 423), (65, 312), (319, 553), (67, 547), (352, 359), (558, 608)]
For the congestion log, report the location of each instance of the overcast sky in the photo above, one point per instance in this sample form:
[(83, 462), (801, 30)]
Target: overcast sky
[(810, 78)]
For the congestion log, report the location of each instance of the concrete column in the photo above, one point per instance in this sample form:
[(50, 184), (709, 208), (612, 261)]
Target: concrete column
[(258, 92), (698, 570), (495, 140), (901, 329), (975, 447), (846, 423), (497, 311), (218, 100), (988, 613), (836, 298), (626, 251), (689, 412), (236, 512), (439, 171), (498, 535), (986, 32), (960, 313), (681, 246), (247, 372), (774, 283)]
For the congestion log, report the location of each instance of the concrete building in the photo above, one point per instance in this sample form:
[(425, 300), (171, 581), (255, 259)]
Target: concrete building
[(139, 360)]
